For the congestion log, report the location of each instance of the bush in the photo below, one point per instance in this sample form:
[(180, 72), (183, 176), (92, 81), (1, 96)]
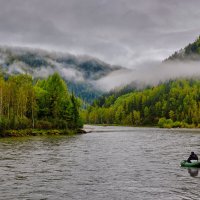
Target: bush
[(4, 123), (59, 124), (178, 124), (43, 124), (161, 122), (165, 123), (23, 123)]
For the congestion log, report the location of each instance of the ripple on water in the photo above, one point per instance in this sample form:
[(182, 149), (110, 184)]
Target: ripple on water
[(107, 163)]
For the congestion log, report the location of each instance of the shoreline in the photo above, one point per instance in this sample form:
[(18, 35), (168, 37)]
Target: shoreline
[(39, 132), (118, 125), (189, 126)]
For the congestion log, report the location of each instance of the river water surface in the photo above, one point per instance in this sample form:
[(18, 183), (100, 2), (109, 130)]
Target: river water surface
[(111, 163)]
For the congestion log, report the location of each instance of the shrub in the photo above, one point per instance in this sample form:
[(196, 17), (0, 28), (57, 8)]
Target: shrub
[(165, 123), (4, 123), (59, 124), (177, 124), (23, 123), (43, 124)]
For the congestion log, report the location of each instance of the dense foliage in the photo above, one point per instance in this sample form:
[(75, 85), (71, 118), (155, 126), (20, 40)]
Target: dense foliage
[(173, 104), (46, 104), (190, 52), (79, 72), (85, 91)]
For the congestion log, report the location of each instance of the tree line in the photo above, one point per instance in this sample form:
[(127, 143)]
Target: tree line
[(190, 52), (38, 104), (171, 104)]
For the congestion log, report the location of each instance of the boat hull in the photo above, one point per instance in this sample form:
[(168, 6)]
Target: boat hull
[(184, 163)]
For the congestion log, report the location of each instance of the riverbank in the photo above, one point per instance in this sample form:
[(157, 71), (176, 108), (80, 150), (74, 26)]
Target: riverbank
[(162, 124), (39, 132)]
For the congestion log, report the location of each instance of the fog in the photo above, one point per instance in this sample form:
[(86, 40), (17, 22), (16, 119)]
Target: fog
[(143, 74), (119, 32), (151, 73), (135, 34)]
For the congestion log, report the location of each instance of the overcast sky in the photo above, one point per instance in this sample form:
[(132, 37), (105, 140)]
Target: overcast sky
[(122, 32)]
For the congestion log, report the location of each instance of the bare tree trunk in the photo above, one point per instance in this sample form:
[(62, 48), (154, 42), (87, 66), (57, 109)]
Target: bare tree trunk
[(32, 114), (1, 102)]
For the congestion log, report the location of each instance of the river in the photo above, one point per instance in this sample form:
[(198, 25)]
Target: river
[(110, 163)]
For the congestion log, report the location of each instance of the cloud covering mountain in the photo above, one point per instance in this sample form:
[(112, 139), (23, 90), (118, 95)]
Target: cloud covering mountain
[(80, 72), (119, 32), (90, 76)]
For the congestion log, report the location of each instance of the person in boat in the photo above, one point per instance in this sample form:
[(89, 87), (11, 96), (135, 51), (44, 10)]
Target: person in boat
[(192, 157)]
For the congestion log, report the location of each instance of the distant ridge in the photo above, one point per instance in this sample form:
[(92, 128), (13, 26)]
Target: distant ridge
[(190, 52), (78, 71)]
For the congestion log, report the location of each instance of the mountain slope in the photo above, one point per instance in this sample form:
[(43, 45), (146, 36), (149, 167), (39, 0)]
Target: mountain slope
[(80, 72), (171, 104), (190, 52), (174, 102)]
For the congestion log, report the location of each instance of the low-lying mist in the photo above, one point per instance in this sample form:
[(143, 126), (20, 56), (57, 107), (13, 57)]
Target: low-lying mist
[(150, 74), (92, 71)]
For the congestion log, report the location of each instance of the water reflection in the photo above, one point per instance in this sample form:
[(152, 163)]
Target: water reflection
[(103, 164), (193, 171)]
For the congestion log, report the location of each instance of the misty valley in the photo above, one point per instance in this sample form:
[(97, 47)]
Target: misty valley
[(53, 102), (44, 90), (99, 100)]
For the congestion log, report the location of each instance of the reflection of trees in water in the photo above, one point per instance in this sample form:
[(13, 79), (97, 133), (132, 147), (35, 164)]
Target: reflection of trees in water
[(193, 171)]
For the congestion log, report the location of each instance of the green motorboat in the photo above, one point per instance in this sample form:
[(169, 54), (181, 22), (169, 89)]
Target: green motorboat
[(184, 163)]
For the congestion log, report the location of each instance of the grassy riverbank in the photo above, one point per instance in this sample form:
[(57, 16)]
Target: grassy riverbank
[(162, 124), (38, 132)]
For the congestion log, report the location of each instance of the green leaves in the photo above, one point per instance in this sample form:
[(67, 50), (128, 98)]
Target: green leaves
[(190, 52), (55, 102), (47, 104), (172, 104)]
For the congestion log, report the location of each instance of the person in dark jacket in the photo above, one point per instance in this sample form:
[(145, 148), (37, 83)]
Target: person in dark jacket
[(192, 156)]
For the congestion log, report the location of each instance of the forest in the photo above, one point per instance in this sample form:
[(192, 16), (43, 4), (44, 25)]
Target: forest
[(26, 103), (190, 52), (79, 72), (175, 103)]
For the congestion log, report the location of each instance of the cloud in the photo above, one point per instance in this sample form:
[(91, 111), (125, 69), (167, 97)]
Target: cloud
[(17, 68), (119, 32), (151, 73), (70, 74), (43, 72)]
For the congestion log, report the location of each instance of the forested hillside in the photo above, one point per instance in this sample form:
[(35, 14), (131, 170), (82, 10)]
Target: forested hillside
[(42, 104), (190, 52), (79, 72), (171, 104)]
